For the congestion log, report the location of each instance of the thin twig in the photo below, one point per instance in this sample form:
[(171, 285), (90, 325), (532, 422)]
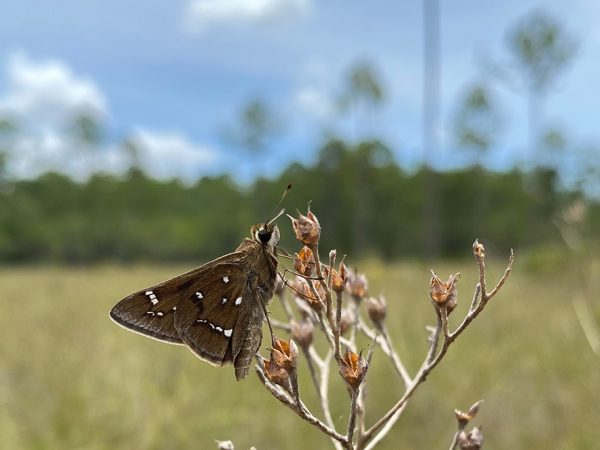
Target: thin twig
[(384, 343), (352, 418), (455, 440), (281, 325), (430, 363), (299, 408), (336, 328)]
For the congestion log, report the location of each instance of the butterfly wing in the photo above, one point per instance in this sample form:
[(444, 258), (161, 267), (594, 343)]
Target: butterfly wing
[(151, 311), (218, 315)]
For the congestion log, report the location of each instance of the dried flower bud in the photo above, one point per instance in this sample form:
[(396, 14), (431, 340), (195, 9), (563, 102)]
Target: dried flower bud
[(478, 250), (347, 319), (306, 228), (377, 310), (277, 374), (302, 290), (304, 261), (338, 277), (353, 369), (357, 284), (444, 293), (471, 441), (285, 354), (302, 333), (463, 418)]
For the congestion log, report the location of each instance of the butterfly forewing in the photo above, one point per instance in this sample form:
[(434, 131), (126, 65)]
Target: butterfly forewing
[(151, 311)]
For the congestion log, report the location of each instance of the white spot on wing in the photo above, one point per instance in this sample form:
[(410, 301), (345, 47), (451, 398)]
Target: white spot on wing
[(199, 295), (228, 332), (219, 329), (223, 301), (225, 279), (238, 300), (159, 314), (152, 297)]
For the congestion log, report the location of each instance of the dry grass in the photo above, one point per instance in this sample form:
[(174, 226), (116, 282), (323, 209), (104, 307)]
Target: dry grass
[(70, 378)]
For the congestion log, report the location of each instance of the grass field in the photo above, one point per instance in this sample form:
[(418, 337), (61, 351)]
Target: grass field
[(71, 379)]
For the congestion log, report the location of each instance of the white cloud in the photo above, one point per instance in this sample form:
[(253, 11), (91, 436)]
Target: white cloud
[(48, 93), (315, 101), (203, 14), (315, 95), (162, 155), (44, 99)]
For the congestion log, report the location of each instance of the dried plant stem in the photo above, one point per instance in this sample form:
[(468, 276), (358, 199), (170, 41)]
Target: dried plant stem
[(454, 440), (384, 342), (352, 418), (298, 407), (325, 284), (289, 313), (336, 328), (398, 365), (310, 362), (321, 384), (280, 325), (447, 338)]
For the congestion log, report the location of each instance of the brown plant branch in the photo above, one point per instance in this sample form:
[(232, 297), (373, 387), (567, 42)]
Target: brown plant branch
[(351, 366), (447, 338), (299, 408)]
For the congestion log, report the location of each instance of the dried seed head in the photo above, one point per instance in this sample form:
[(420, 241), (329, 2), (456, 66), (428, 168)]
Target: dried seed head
[(303, 332), (276, 374), (444, 293), (338, 277), (302, 290), (304, 261), (285, 354), (478, 250), (377, 310), (306, 228), (471, 441), (353, 368), (463, 418), (357, 285)]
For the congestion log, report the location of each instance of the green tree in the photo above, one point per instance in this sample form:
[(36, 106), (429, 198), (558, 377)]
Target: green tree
[(477, 122), (362, 95), (541, 50)]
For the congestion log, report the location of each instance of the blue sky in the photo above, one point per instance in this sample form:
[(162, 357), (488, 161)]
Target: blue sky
[(174, 74)]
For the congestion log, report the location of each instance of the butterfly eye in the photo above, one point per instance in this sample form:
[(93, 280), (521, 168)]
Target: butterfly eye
[(264, 235)]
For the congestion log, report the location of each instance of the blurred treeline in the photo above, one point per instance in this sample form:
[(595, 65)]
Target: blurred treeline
[(367, 204)]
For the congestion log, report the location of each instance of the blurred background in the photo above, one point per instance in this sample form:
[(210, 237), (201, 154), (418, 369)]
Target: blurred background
[(140, 140)]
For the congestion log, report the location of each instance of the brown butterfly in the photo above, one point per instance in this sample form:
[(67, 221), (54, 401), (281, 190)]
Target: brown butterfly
[(216, 310)]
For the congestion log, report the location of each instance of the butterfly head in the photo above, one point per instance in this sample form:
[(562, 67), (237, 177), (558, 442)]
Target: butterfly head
[(265, 234)]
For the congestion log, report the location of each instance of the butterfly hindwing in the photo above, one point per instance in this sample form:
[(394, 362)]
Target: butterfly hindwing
[(207, 317)]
